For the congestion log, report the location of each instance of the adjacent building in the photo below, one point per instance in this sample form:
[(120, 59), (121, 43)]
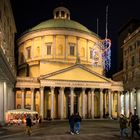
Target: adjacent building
[(7, 58), (130, 74), (58, 73)]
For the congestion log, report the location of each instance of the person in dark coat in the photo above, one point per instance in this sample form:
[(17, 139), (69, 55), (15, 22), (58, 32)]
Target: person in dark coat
[(28, 125), (71, 123), (123, 125), (135, 125), (77, 123)]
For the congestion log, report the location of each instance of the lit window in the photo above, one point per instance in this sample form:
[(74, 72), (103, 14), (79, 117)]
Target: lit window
[(90, 53), (28, 49), (72, 50), (132, 61), (48, 49)]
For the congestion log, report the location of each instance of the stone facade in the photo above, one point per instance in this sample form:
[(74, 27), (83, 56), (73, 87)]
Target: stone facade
[(7, 60), (131, 71)]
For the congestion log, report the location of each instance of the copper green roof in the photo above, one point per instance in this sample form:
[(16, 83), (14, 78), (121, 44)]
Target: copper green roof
[(61, 23)]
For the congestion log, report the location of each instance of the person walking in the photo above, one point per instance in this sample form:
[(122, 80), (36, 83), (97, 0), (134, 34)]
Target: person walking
[(71, 123), (135, 126), (123, 126), (77, 123), (28, 125)]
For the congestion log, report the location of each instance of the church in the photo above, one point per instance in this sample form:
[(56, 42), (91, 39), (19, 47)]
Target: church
[(58, 75)]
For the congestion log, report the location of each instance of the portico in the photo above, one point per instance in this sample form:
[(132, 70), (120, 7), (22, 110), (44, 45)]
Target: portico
[(58, 97)]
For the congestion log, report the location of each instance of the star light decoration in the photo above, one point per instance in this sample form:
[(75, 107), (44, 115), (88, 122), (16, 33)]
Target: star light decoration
[(106, 54), (105, 46)]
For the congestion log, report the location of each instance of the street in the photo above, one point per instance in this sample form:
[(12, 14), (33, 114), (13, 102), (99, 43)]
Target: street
[(59, 130)]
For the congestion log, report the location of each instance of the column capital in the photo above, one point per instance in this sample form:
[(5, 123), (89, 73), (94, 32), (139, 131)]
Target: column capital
[(22, 89), (109, 90), (72, 88), (101, 89), (62, 88), (92, 89), (83, 89), (41, 88), (52, 88), (32, 89)]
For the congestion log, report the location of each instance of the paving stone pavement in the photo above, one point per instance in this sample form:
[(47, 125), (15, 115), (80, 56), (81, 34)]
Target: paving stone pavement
[(59, 130)]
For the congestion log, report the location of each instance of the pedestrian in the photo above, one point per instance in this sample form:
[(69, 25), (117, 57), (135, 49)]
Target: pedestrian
[(129, 119), (123, 126), (77, 123), (71, 123), (135, 126), (28, 125)]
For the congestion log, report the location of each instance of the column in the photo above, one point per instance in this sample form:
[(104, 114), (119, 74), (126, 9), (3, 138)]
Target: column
[(118, 104), (127, 103), (52, 102), (109, 103), (92, 103), (1, 102), (101, 103), (83, 102), (66, 47), (22, 98), (5, 96), (32, 99), (77, 51), (105, 104), (42, 102), (131, 102), (87, 50), (54, 46), (62, 102), (72, 101), (89, 105), (138, 102)]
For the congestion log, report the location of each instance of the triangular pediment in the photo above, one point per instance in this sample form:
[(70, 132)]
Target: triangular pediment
[(76, 73)]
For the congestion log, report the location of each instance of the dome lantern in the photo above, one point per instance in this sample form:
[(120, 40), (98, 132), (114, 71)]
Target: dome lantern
[(61, 13)]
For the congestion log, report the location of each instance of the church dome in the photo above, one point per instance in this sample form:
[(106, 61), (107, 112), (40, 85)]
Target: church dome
[(61, 23), (61, 20)]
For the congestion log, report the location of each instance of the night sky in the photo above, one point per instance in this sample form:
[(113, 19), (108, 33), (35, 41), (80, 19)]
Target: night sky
[(29, 13)]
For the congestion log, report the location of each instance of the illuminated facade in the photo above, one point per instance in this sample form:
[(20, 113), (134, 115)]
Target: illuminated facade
[(130, 74), (7, 61), (58, 76)]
